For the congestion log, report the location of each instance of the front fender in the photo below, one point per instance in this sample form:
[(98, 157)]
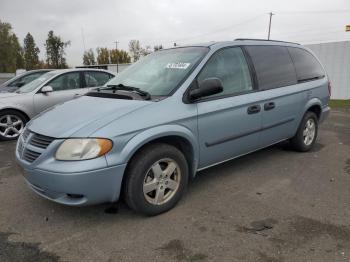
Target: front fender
[(17, 107), (148, 135)]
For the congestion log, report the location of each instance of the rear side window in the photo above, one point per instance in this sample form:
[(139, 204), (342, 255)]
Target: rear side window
[(94, 78), (273, 66), (306, 65)]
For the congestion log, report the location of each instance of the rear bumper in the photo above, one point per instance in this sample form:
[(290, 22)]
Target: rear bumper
[(325, 113), (77, 189)]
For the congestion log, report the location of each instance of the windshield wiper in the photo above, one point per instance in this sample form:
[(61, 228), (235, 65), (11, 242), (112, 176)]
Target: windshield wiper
[(146, 95)]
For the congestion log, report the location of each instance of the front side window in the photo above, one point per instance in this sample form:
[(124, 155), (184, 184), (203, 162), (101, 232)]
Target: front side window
[(273, 66), (94, 79), (66, 81), (161, 72), (306, 65), (37, 82), (230, 66)]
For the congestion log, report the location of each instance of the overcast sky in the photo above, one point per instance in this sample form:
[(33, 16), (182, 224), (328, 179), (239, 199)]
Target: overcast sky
[(103, 22)]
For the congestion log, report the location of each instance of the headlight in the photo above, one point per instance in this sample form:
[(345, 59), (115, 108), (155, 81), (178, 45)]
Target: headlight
[(83, 149)]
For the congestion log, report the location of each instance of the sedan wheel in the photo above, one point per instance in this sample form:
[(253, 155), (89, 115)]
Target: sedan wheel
[(11, 126)]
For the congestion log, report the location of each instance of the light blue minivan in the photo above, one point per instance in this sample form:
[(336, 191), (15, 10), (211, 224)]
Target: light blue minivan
[(148, 131)]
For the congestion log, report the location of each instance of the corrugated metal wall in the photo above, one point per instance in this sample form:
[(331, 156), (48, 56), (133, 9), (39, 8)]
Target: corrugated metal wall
[(335, 57)]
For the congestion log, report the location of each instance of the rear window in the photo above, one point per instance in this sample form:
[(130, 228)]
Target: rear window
[(306, 65), (273, 66)]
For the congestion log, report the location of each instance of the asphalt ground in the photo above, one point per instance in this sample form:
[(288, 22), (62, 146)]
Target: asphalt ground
[(273, 205)]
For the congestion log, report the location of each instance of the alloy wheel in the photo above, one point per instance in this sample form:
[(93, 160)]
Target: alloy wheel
[(11, 126), (162, 181), (309, 132)]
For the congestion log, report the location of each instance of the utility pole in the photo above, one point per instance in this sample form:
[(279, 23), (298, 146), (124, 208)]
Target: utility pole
[(268, 36), (116, 48)]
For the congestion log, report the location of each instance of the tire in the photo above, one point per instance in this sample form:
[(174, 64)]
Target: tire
[(12, 124), (299, 142), (143, 175)]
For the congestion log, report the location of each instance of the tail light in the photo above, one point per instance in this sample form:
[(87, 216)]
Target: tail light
[(329, 88)]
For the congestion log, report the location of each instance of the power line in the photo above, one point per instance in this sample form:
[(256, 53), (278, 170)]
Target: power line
[(220, 29), (314, 12)]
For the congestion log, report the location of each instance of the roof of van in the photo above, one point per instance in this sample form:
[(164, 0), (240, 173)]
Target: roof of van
[(242, 41)]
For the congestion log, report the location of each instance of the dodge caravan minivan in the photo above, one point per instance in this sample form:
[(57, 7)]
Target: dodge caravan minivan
[(148, 131)]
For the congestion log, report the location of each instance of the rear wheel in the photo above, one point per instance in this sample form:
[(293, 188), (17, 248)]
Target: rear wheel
[(307, 133), (12, 124), (156, 179)]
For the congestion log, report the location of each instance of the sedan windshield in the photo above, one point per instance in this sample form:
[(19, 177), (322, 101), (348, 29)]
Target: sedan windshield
[(36, 83), (160, 72)]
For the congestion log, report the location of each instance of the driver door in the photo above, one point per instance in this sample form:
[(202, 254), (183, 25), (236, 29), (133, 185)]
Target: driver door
[(65, 87), (228, 122)]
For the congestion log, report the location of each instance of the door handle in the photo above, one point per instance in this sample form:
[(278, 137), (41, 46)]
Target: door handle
[(253, 109), (269, 106)]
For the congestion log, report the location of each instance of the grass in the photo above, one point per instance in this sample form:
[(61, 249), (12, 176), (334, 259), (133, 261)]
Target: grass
[(339, 103)]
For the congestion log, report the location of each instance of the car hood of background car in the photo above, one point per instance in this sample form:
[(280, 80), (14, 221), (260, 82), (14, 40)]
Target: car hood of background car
[(7, 95), (81, 117)]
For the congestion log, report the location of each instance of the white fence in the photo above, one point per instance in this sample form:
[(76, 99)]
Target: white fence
[(335, 57)]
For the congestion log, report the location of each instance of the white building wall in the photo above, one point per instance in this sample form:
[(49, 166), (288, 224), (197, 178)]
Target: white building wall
[(335, 57)]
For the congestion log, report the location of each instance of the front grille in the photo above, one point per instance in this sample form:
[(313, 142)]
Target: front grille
[(37, 144), (40, 141), (30, 156)]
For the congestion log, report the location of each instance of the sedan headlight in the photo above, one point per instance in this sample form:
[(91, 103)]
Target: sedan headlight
[(83, 148)]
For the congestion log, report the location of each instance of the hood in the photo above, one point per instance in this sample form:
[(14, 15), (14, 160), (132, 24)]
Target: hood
[(7, 95), (82, 116), (8, 89)]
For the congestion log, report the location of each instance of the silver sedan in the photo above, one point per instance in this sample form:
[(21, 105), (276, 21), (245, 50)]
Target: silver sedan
[(55, 87)]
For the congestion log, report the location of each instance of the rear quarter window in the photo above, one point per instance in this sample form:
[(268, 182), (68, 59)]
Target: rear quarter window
[(306, 65), (273, 66)]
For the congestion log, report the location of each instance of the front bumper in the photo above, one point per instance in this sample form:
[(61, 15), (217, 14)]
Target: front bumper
[(77, 189)]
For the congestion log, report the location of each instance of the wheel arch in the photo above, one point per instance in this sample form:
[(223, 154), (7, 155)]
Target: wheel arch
[(175, 135), (314, 105), (16, 110)]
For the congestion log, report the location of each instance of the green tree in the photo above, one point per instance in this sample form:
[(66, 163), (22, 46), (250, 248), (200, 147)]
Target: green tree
[(102, 55), (31, 53), (119, 56), (135, 49), (11, 54), (89, 57), (55, 51), (19, 53)]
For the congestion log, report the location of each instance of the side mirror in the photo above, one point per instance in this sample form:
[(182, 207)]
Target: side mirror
[(46, 89), (207, 87)]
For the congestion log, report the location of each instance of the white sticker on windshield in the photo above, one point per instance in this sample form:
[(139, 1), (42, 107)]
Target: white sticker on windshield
[(178, 65)]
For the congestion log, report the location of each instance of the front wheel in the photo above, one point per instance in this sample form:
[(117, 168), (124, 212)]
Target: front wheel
[(306, 135), (12, 124), (156, 179)]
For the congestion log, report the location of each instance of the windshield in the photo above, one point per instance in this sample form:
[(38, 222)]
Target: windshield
[(36, 83), (160, 72)]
